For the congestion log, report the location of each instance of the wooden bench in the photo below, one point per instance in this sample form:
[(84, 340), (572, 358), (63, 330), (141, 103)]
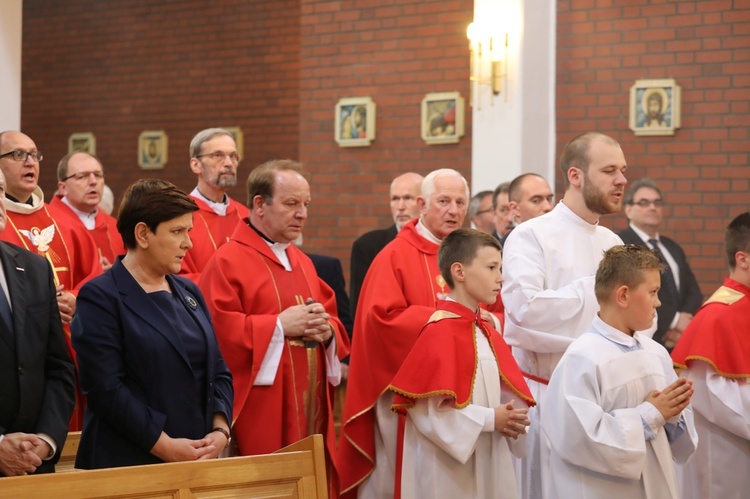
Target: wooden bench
[(68, 455), (297, 471)]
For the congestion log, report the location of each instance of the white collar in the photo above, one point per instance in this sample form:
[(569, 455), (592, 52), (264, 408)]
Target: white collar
[(423, 231), (218, 208), (643, 235), (613, 334)]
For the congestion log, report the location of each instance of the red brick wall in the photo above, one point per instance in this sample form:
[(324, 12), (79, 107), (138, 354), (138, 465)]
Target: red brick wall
[(703, 170), (118, 68), (395, 51)]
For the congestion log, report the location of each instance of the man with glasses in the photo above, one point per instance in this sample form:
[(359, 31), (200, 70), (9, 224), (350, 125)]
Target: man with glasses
[(214, 159), (80, 181), (680, 295), (72, 254), (503, 213), (481, 214)]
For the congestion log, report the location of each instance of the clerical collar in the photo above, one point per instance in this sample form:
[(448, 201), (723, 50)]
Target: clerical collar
[(643, 235), (423, 231), (88, 219), (278, 249), (29, 201), (218, 208)]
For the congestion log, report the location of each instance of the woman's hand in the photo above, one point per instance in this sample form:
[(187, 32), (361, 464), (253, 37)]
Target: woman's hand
[(170, 449)]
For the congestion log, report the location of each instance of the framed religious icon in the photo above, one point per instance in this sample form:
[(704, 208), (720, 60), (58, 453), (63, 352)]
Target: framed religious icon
[(442, 118), (355, 122), (152, 149), (82, 142), (655, 107), (239, 139)]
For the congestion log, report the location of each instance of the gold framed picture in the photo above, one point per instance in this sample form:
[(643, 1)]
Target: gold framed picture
[(82, 142), (152, 149), (442, 118), (355, 122), (239, 139), (655, 107)]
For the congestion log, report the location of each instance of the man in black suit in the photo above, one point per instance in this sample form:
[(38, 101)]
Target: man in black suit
[(404, 192), (680, 294), (36, 373), (329, 269), (503, 213)]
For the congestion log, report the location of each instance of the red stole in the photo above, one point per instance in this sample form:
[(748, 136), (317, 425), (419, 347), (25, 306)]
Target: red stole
[(719, 334)]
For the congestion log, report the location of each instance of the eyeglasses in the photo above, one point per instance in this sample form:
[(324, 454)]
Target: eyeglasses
[(220, 157), (645, 203), (17, 155), (81, 176), (482, 212)]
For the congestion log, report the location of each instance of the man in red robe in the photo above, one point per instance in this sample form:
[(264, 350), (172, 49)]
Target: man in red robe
[(276, 320), (398, 296), (214, 158), (80, 180), (30, 225), (714, 352)]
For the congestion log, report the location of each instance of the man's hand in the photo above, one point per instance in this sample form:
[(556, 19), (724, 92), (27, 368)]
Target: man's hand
[(310, 321), (66, 302), (511, 422), (182, 449), (106, 265), (673, 399), (683, 320), (17, 456)]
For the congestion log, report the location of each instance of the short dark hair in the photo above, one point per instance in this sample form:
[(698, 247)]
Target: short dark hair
[(737, 237), (261, 180), (475, 202), (62, 166), (640, 184), (461, 246), (504, 187), (575, 154), (624, 265), (151, 201), (514, 189)]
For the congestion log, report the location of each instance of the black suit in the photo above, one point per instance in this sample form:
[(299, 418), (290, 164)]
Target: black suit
[(364, 250), (37, 384), (329, 269), (690, 297)]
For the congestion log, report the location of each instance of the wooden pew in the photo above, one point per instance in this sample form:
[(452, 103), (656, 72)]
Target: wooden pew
[(297, 471), (68, 455)]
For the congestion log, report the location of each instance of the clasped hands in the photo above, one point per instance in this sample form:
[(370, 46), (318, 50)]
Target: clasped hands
[(673, 399), (22, 453), (511, 422), (309, 322)]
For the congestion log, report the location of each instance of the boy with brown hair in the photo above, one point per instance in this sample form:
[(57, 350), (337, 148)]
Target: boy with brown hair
[(456, 391), (616, 415)]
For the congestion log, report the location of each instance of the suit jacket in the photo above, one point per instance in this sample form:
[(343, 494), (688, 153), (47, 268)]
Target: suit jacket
[(364, 250), (136, 374), (690, 297), (37, 384), (329, 269)]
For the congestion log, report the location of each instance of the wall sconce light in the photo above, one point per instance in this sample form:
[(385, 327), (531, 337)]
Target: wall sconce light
[(483, 45)]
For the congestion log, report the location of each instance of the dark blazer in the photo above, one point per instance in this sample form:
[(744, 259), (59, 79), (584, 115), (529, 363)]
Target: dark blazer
[(329, 269), (37, 384), (690, 297), (364, 250), (136, 374)]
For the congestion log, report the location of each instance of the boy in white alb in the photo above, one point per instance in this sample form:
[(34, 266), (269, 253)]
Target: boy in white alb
[(616, 415)]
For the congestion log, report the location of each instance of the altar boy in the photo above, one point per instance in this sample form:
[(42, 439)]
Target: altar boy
[(616, 415), (459, 393)]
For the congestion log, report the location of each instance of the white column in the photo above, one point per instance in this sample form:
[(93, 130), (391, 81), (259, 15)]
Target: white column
[(11, 19), (514, 132)]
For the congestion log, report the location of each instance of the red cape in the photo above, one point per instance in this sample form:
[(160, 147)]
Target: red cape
[(719, 334), (433, 366)]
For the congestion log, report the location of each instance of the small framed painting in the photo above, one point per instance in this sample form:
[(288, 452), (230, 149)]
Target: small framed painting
[(355, 122), (152, 149), (442, 118), (82, 142), (655, 107), (239, 139)]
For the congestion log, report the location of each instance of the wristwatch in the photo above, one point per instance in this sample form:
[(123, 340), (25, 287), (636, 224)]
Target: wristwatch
[(225, 433)]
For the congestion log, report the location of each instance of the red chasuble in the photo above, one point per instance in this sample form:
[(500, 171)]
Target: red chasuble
[(438, 362), (72, 255), (399, 294), (246, 287), (719, 334), (105, 235), (210, 231)]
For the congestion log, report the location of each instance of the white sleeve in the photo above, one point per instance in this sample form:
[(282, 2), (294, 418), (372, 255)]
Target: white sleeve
[(455, 431), (270, 365), (333, 365), (723, 401)]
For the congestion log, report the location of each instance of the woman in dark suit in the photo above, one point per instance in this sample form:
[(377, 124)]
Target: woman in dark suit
[(149, 364)]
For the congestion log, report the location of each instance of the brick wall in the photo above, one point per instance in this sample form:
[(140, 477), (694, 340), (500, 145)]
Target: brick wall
[(703, 170), (395, 51), (118, 68)]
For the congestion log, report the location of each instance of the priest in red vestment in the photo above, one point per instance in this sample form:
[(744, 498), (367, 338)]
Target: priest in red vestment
[(714, 352), (214, 159), (399, 294), (80, 180), (276, 320), (71, 252)]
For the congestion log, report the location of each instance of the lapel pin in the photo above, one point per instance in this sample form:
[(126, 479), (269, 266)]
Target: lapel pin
[(191, 302)]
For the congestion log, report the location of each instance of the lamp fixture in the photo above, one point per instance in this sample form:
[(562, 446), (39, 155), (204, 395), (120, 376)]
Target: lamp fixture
[(483, 44)]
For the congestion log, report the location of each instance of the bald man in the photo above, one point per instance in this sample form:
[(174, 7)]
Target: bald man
[(404, 192), (529, 196)]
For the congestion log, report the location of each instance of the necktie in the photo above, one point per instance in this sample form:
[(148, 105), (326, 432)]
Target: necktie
[(667, 278), (5, 314)]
